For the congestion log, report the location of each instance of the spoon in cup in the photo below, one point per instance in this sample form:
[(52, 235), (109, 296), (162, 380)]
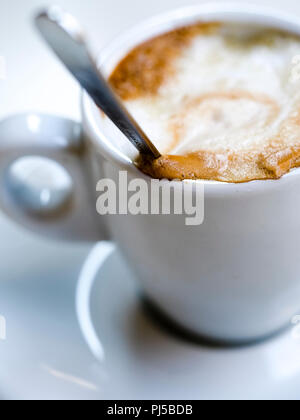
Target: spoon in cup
[(64, 35)]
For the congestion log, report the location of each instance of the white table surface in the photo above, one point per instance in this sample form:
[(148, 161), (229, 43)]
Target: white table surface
[(37, 82)]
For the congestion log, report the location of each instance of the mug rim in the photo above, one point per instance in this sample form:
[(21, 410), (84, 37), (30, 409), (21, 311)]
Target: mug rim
[(225, 11)]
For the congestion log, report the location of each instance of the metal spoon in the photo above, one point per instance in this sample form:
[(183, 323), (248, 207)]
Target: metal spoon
[(65, 36)]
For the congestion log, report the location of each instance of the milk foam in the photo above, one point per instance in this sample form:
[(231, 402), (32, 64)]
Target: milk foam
[(230, 90)]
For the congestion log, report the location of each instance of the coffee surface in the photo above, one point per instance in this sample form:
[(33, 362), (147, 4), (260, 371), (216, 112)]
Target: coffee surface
[(220, 101)]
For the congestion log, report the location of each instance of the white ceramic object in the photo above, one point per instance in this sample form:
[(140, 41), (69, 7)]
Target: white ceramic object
[(45, 355), (235, 278), (142, 360), (39, 184)]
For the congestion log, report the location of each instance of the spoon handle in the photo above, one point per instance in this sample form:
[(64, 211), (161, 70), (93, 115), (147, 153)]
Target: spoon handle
[(66, 38)]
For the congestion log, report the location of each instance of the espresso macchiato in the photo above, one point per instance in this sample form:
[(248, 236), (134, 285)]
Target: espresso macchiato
[(218, 100)]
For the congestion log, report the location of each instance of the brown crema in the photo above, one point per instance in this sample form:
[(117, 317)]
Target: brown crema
[(150, 65), (147, 66)]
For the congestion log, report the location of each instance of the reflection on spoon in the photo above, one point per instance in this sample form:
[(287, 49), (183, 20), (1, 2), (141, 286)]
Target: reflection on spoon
[(65, 37)]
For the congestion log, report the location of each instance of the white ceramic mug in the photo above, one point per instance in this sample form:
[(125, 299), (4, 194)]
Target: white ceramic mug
[(236, 277)]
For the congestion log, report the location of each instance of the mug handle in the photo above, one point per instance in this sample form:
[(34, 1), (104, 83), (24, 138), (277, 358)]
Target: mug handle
[(71, 215)]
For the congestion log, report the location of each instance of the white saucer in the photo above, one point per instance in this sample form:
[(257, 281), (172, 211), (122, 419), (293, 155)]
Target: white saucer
[(137, 359), (128, 356)]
